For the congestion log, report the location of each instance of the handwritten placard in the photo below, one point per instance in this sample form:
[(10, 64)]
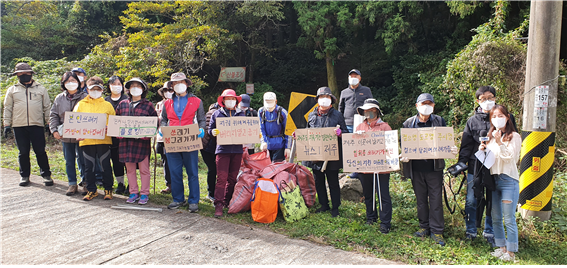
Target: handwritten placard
[(84, 125), (427, 142), (181, 138), (132, 126), (238, 130), (316, 144), (375, 151)]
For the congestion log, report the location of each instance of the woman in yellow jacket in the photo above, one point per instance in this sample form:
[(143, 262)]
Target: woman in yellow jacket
[(92, 148)]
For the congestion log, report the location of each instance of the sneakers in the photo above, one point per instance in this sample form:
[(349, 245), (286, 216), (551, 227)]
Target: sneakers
[(322, 209), (335, 212), (143, 200), (85, 190), (422, 232), (384, 229), (120, 188), (470, 236), (167, 189), (212, 199), (132, 199), (73, 189), (438, 238), (497, 253), (490, 240), (193, 208), (353, 175), (176, 205), (107, 194), (218, 211), (90, 196), (24, 181), (507, 257), (47, 181)]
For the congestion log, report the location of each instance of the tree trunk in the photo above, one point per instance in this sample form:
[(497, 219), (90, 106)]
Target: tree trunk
[(331, 77)]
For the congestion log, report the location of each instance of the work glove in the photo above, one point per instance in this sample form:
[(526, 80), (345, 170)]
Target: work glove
[(263, 147), (404, 159), (201, 133), (454, 150), (338, 131), (287, 153), (215, 132), (359, 132), (7, 132)]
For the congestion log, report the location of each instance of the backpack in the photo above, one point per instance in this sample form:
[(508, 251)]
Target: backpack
[(278, 120), (265, 199)]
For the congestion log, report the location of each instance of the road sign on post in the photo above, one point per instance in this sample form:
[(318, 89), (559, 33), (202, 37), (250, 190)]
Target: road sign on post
[(232, 74)]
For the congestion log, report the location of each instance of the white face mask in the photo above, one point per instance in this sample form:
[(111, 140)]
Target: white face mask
[(95, 94), (425, 109), (270, 106), (324, 102), (353, 81), (136, 91), (116, 89), (230, 103), (81, 78), (168, 95), (180, 88), (71, 86), (487, 105), (499, 122)]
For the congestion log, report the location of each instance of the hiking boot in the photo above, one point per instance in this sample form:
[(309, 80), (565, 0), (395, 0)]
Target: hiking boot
[(120, 188), (490, 240), (422, 232), (470, 236), (107, 194), (176, 205), (335, 212), (24, 181), (193, 208), (438, 238), (47, 181), (384, 229), (322, 209), (167, 189), (90, 196), (218, 211), (143, 200), (73, 189), (85, 190), (370, 222), (132, 199)]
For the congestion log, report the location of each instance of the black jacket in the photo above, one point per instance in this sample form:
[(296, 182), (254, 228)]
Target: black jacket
[(351, 99), (330, 119)]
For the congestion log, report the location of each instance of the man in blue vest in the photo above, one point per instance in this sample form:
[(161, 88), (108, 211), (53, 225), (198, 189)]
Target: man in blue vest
[(272, 124)]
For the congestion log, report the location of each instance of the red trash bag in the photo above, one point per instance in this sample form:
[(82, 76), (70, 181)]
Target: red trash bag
[(306, 183), (272, 170), (284, 176), (265, 201), (256, 161), (243, 189)]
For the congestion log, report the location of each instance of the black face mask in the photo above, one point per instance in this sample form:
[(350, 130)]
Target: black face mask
[(25, 78)]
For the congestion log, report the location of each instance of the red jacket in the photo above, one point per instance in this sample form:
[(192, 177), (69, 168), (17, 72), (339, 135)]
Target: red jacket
[(377, 125)]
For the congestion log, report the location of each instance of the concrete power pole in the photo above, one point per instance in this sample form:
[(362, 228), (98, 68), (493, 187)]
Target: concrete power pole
[(540, 106)]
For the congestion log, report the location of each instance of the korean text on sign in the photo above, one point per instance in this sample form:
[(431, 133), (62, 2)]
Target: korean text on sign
[(238, 130), (427, 142), (84, 125), (317, 144), (181, 138), (371, 152), (132, 126)]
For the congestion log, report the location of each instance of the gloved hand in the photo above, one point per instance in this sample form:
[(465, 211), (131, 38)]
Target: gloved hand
[(263, 147), (201, 133), (293, 135), (7, 132), (338, 131), (287, 153), (359, 132), (215, 132), (404, 159), (454, 150)]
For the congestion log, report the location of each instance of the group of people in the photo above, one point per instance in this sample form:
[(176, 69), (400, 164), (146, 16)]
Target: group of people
[(27, 107)]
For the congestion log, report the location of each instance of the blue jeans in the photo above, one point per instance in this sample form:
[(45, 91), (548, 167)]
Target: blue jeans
[(470, 212), (350, 128), (176, 163), (507, 189), (72, 152)]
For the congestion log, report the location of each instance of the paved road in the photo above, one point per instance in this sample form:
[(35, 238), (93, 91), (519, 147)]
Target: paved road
[(40, 225)]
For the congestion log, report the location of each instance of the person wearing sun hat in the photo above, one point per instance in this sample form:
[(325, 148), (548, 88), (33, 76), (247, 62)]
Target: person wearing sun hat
[(228, 157), (182, 110)]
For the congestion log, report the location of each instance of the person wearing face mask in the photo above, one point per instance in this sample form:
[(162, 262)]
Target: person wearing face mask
[(485, 97), (373, 122), (166, 94), (208, 154), (66, 102), (183, 109), (228, 157), (505, 143), (427, 175), (273, 119), (324, 115), (82, 75), (93, 148), (136, 151), (115, 96), (26, 111), (244, 105)]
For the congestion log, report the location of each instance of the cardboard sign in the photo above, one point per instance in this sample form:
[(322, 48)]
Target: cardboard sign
[(132, 126), (181, 138), (427, 142), (317, 144), (84, 125), (375, 151), (238, 130)]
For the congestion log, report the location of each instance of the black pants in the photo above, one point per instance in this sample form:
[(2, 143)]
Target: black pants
[(333, 181), (34, 135), (428, 187), (211, 162), (103, 152), (161, 150), (369, 196), (277, 155), (117, 166)]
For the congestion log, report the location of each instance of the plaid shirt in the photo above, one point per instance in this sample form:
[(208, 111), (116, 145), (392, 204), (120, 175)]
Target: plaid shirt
[(133, 150)]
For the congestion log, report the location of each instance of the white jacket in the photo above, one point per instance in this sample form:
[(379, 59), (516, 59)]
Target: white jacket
[(26, 106), (507, 156)]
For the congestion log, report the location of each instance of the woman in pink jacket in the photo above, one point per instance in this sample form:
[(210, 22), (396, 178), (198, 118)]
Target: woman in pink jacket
[(372, 122)]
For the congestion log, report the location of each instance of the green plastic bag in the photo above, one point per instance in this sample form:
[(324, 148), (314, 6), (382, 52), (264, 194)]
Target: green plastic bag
[(293, 207)]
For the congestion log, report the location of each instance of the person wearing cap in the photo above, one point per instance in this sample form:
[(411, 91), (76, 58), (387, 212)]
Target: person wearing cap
[(373, 122), (80, 72), (66, 102), (427, 175), (273, 119), (136, 151), (93, 148), (166, 94), (182, 110), (229, 156), (208, 154), (115, 91), (244, 105), (26, 111), (324, 115)]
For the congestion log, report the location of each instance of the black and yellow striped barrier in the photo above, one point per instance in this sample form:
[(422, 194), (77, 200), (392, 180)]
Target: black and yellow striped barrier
[(536, 170)]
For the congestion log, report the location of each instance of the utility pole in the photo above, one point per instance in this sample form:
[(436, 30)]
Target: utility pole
[(540, 106)]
